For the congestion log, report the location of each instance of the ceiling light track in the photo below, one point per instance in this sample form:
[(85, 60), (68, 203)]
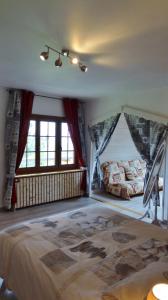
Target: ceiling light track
[(65, 53)]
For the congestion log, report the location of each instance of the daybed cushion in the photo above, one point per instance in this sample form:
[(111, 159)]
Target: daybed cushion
[(125, 178), (125, 189)]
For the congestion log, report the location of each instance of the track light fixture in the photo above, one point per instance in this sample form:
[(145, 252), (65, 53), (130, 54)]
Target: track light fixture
[(83, 68), (44, 55), (66, 53), (58, 62), (74, 60)]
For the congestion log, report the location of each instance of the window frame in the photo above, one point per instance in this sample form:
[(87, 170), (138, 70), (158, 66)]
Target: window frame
[(58, 166)]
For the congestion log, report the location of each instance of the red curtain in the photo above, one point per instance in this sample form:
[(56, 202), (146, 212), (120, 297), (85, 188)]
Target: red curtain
[(71, 114), (26, 111)]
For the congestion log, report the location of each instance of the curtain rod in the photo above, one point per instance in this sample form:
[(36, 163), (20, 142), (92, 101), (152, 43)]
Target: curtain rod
[(49, 97), (43, 96)]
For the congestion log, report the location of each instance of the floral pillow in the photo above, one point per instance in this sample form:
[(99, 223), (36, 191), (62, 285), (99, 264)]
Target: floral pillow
[(123, 163), (135, 163), (133, 173), (139, 168), (116, 173), (106, 172)]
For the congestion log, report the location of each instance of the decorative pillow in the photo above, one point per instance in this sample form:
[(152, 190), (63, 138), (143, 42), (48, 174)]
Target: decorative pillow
[(123, 163), (106, 172), (122, 173), (143, 166), (132, 173), (143, 163), (135, 163), (104, 166), (116, 174), (139, 166)]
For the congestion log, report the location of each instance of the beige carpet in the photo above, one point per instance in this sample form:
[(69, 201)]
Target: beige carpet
[(133, 208)]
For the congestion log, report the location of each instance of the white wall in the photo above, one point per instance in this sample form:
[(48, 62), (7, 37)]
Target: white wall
[(121, 146), (48, 106), (3, 107)]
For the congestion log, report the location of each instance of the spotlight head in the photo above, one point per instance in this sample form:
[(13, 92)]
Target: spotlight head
[(75, 60), (65, 52), (83, 68), (58, 62), (44, 55)]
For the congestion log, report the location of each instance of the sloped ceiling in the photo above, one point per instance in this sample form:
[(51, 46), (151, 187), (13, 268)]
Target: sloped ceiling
[(123, 42)]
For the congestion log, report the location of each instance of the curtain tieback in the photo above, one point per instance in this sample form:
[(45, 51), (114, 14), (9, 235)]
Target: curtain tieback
[(149, 165)]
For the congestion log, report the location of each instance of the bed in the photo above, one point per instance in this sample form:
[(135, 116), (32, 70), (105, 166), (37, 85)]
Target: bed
[(92, 253)]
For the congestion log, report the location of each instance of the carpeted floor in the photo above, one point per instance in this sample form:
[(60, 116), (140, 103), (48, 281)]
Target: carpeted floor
[(133, 208)]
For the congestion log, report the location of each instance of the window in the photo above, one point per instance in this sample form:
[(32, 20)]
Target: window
[(67, 153), (49, 146), (30, 151)]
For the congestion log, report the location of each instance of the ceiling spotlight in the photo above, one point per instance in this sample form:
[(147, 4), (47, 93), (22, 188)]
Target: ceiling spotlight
[(83, 68), (44, 55), (65, 52), (58, 62), (74, 60)]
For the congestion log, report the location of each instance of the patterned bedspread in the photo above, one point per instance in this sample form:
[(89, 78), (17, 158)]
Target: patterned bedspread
[(92, 253)]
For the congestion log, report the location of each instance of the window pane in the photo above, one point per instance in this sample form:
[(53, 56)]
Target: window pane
[(70, 157), (43, 143), (51, 131), (64, 158), (31, 159), (43, 159), (32, 128), (70, 145), (23, 163), (30, 144), (64, 129), (64, 143), (43, 128), (51, 144), (51, 158)]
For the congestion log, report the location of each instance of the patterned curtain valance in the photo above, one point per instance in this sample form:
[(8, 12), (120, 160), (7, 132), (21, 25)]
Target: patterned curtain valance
[(100, 135), (147, 115)]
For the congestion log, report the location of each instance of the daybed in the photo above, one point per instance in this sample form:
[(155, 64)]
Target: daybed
[(125, 178)]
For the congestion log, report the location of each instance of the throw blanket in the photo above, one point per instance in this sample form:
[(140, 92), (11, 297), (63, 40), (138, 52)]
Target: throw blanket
[(93, 253)]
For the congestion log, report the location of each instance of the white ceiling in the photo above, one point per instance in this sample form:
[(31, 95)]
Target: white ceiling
[(123, 42)]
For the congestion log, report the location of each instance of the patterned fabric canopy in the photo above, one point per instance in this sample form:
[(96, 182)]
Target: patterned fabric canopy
[(11, 143), (100, 135), (146, 135)]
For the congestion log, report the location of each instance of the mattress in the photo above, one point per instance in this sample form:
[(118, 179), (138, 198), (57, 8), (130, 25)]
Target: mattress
[(92, 253)]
